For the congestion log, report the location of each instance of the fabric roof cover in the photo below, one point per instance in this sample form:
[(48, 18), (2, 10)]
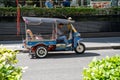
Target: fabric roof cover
[(38, 21)]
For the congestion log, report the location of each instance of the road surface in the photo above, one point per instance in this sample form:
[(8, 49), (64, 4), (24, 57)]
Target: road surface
[(61, 65)]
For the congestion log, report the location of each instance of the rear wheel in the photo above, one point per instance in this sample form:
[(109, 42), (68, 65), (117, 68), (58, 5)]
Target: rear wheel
[(41, 52), (80, 48)]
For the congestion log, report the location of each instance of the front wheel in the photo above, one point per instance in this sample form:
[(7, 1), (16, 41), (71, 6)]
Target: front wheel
[(80, 48), (41, 52)]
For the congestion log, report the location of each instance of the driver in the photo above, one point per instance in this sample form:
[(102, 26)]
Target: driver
[(61, 36)]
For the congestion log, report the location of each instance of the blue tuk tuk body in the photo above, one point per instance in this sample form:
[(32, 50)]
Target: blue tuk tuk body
[(40, 48)]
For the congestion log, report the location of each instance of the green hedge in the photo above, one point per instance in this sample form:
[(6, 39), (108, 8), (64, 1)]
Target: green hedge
[(66, 11), (105, 69)]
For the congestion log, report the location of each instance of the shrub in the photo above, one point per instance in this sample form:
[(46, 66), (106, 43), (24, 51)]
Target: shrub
[(105, 69), (8, 70), (53, 12)]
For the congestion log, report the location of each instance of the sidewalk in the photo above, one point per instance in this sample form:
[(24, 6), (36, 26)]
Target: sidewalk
[(102, 43), (90, 43)]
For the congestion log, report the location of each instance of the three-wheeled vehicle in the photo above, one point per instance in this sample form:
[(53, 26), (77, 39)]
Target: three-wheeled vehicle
[(40, 44)]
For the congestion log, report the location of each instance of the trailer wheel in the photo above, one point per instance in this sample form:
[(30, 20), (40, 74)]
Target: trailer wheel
[(41, 52), (80, 48)]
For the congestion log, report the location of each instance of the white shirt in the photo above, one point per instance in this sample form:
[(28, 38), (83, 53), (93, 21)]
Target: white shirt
[(59, 32)]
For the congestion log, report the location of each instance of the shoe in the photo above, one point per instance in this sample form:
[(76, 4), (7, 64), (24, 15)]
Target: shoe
[(68, 45)]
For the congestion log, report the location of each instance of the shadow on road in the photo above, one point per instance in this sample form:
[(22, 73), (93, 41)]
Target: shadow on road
[(71, 55)]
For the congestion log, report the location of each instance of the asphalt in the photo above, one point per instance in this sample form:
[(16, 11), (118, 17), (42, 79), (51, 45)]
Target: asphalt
[(90, 43)]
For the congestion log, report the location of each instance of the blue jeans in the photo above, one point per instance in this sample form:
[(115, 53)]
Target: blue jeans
[(63, 38)]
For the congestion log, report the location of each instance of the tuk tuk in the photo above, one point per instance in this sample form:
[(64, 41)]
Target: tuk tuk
[(40, 44)]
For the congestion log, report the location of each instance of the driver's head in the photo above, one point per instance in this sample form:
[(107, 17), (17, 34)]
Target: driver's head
[(60, 25)]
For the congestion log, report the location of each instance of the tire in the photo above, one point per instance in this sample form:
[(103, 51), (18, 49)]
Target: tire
[(41, 52), (80, 49)]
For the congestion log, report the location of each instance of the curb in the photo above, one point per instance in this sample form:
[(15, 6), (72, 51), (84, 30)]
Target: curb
[(105, 47)]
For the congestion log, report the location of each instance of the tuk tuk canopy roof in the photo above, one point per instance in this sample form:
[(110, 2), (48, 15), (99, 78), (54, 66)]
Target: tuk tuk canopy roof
[(38, 20)]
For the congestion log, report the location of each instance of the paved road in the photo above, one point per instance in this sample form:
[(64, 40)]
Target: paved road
[(60, 66)]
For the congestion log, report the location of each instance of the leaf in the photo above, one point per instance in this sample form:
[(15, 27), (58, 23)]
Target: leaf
[(105, 69), (7, 69)]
